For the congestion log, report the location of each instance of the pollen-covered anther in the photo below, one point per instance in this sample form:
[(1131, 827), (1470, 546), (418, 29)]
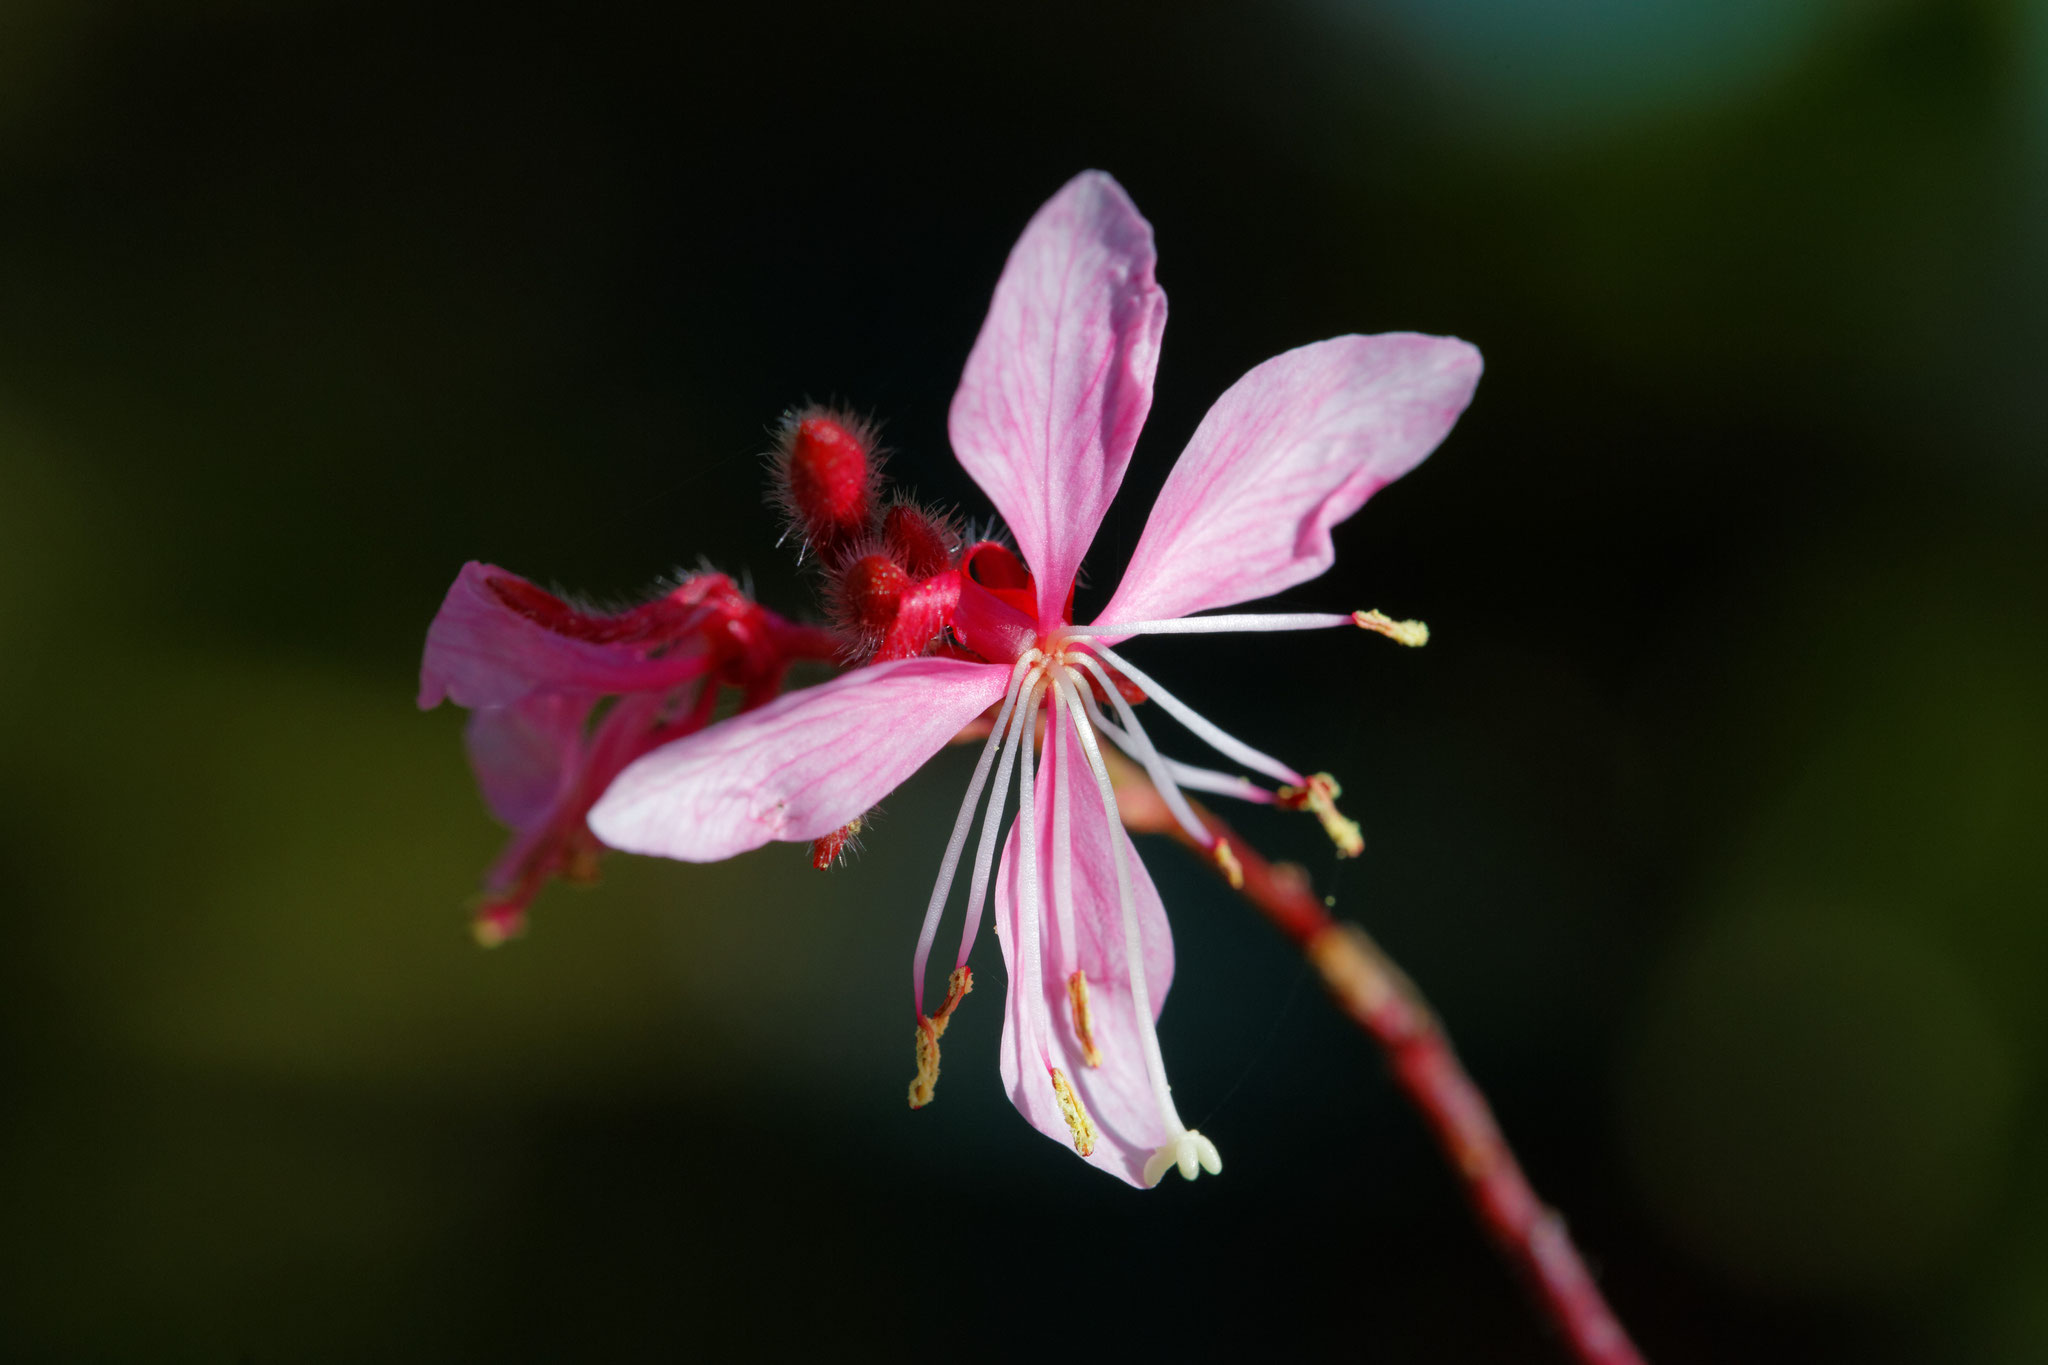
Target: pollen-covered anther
[(1410, 633), (826, 852), (1319, 798), (1084, 1022), (932, 1027), (1075, 1113), (1188, 1150), (1227, 863)]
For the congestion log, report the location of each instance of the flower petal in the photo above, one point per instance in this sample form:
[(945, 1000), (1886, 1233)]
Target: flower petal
[(482, 651), (1060, 378), (1293, 448), (1039, 1026), (797, 768), (523, 754)]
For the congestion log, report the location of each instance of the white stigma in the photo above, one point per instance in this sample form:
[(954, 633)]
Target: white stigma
[(1190, 1151)]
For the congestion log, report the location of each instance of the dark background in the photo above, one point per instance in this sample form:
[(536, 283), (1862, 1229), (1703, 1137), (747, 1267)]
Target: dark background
[(1711, 820)]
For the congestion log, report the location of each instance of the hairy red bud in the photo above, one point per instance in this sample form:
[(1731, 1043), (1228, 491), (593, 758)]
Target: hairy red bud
[(826, 476), (921, 542), (868, 592)]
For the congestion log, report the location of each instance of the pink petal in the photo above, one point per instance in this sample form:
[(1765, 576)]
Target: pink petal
[(525, 753), (1060, 378), (482, 652), (1039, 1026), (1293, 448), (797, 768)]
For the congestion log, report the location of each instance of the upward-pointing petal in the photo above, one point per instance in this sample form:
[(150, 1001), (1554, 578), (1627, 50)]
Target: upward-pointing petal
[(1293, 448), (1060, 378), (797, 768)]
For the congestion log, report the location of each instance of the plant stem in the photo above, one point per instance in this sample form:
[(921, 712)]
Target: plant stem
[(1379, 997)]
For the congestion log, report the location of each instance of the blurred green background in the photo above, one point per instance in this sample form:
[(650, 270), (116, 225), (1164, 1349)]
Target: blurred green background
[(1711, 821)]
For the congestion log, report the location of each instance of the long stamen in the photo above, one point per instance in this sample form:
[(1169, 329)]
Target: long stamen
[(1030, 983), (1216, 625), (991, 824), (1206, 730), (1184, 1147), (951, 862), (1057, 717), (1139, 745), (1186, 776), (1030, 973)]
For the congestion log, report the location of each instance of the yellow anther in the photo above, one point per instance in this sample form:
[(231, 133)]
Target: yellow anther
[(1320, 798), (1084, 1023), (1076, 1116), (930, 1028), (1233, 870), (926, 1083), (1400, 632)]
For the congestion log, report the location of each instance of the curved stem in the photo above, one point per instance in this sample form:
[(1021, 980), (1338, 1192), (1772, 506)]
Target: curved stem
[(1376, 994)]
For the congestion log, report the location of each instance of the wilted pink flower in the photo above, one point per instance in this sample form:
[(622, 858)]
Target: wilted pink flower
[(1047, 413), (534, 671)]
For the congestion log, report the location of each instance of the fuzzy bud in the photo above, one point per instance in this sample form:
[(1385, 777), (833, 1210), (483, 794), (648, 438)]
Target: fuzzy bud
[(825, 470), (921, 543), (867, 593)]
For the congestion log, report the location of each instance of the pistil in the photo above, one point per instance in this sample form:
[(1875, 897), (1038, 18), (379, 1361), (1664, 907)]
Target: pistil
[(1183, 1147)]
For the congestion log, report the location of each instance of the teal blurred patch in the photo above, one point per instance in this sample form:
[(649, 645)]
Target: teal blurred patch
[(1531, 69)]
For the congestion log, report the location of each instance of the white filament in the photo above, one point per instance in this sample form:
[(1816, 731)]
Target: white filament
[(951, 862), (1127, 904), (1213, 625), (1185, 775), (1138, 745), (1030, 982), (985, 851), (1058, 714), (1206, 730)]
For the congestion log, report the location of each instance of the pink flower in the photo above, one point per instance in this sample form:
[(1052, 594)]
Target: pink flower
[(533, 670), (1047, 413)]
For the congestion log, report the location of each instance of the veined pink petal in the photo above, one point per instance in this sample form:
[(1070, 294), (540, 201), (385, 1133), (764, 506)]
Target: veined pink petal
[(1060, 378), (481, 651), (1293, 448), (1118, 1094), (797, 768)]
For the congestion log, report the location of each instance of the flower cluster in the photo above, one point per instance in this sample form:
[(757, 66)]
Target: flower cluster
[(950, 637)]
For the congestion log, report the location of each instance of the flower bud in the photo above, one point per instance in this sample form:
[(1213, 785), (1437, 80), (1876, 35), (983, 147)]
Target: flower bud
[(867, 593), (922, 543), (825, 478)]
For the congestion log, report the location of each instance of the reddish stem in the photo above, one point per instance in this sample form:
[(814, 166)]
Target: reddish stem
[(1383, 1002)]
